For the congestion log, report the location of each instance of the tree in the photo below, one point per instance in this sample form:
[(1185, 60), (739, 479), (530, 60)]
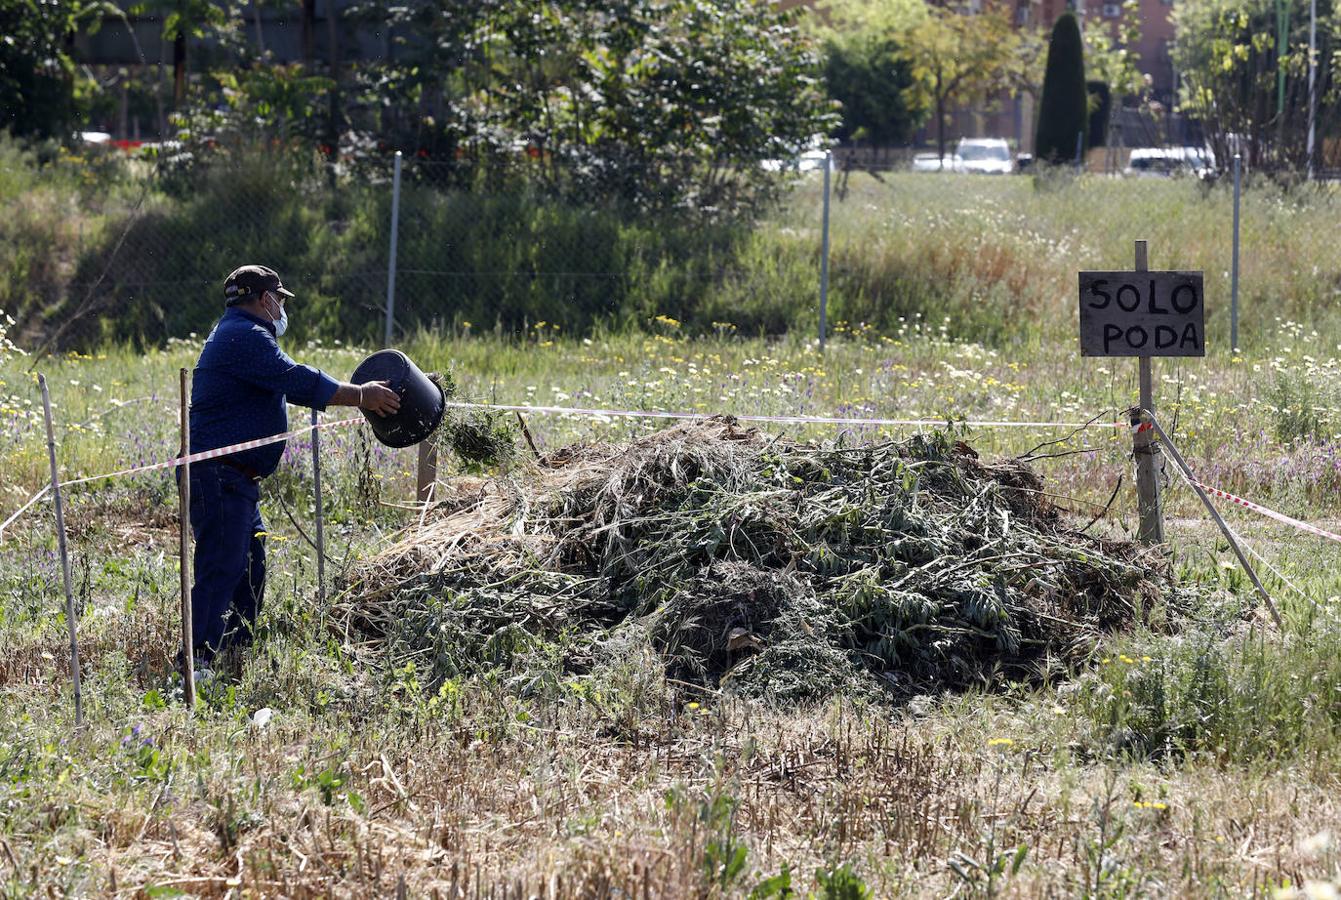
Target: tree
[(873, 81), (867, 69), (1230, 62), (657, 103), (39, 82), (1100, 112), (960, 58), (1111, 60), (1063, 110)]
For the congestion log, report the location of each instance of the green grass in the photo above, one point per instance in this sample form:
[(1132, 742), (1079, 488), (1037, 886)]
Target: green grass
[(1148, 776), (1195, 756)]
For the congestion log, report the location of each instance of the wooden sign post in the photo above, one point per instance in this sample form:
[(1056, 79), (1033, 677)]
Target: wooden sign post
[(1143, 314)]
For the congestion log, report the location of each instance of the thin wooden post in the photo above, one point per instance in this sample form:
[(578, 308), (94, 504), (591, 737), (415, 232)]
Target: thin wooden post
[(316, 490), (184, 527), (64, 553), (1151, 527), (427, 473), (526, 433)]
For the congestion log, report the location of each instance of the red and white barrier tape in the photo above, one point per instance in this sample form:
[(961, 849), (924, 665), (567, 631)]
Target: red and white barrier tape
[(178, 461), (212, 454), (576, 411), (1270, 513)]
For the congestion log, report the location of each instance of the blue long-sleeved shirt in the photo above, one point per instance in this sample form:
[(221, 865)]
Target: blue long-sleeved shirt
[(241, 386)]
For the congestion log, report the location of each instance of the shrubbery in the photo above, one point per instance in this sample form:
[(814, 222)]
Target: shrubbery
[(1063, 110)]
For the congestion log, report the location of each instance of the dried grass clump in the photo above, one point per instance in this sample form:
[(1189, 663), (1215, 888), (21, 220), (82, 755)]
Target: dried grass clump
[(768, 567)]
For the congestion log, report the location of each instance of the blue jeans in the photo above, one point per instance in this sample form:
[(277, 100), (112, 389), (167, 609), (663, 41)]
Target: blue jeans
[(229, 558)]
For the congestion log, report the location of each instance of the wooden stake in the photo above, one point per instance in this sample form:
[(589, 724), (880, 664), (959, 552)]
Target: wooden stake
[(64, 552), (1151, 528), (526, 432), (184, 502), (427, 475), (316, 490)]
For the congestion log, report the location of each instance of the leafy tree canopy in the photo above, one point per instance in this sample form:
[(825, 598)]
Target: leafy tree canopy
[(41, 90), (1232, 67), (660, 104), (944, 56), (868, 70)]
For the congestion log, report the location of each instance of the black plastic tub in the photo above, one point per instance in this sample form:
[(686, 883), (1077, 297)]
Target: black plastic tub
[(422, 402)]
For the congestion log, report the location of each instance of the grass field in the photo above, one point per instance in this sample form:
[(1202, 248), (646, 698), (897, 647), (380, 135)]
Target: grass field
[(1189, 758)]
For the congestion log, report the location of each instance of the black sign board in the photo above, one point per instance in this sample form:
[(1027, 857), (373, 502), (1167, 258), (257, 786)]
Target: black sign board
[(1142, 314)]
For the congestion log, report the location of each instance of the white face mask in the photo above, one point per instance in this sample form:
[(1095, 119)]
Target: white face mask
[(281, 323)]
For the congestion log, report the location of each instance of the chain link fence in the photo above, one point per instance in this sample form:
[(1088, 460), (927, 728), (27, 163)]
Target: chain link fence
[(138, 251), (140, 254)]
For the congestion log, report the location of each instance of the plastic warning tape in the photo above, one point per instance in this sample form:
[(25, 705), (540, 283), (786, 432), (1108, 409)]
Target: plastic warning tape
[(23, 509), (1270, 513), (212, 454), (574, 411), (178, 461)]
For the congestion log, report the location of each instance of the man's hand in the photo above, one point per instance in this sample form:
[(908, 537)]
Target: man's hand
[(377, 397)]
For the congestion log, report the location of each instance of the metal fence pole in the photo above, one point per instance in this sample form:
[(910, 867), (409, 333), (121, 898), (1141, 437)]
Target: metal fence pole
[(1234, 266), (65, 555), (184, 547), (316, 490), (1312, 83), (824, 256), (391, 262)]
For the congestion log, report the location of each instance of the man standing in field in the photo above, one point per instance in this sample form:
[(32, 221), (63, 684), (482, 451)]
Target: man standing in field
[(242, 384)]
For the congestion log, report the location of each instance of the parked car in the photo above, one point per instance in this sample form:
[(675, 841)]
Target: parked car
[(1166, 162), (984, 156), (932, 162)]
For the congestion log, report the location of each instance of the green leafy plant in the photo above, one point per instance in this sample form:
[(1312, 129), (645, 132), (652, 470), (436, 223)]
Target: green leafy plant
[(841, 883)]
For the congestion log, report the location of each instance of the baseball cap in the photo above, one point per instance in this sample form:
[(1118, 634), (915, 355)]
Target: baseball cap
[(247, 282)]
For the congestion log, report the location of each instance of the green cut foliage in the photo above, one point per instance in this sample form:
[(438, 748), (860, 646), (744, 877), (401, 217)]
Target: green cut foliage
[(1063, 111)]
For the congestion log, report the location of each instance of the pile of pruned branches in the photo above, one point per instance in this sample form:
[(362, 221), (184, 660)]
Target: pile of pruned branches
[(754, 563)]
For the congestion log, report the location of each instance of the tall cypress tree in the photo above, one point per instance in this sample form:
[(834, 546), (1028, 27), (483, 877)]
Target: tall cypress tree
[(1063, 110)]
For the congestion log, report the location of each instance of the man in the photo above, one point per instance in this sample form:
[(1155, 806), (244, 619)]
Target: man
[(239, 392)]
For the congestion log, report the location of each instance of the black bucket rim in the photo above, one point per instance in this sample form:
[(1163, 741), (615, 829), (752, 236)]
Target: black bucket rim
[(408, 367)]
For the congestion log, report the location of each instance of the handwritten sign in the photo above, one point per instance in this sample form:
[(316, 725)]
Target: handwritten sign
[(1142, 314)]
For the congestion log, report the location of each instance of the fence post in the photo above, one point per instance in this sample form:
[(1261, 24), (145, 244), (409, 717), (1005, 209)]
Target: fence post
[(426, 472), (65, 556), (1151, 527), (1234, 269), (824, 255), (391, 262), (316, 490), (1312, 85), (184, 539)]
